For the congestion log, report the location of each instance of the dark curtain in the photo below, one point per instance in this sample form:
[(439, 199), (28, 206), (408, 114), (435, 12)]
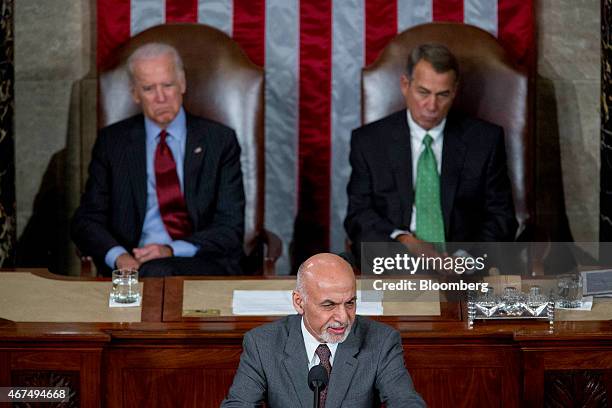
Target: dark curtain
[(7, 145)]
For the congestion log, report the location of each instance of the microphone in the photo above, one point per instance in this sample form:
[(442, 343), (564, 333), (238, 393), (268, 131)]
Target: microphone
[(317, 381)]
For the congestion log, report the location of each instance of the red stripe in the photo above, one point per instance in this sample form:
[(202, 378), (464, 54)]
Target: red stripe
[(181, 11), (380, 26), (113, 28), (448, 10), (516, 30), (250, 28), (313, 219)]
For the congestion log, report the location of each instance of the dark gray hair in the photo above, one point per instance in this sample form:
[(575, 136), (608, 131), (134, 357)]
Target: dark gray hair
[(440, 58), (299, 282), (154, 50)]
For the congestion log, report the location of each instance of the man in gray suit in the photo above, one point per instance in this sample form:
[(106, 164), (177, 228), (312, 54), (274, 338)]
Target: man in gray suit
[(364, 358)]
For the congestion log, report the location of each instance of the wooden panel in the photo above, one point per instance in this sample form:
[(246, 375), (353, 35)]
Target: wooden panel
[(461, 375), (172, 376), (467, 387), (175, 387), (152, 296), (46, 360)]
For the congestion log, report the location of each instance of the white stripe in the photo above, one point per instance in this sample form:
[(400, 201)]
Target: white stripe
[(347, 60), (413, 12), (145, 14), (217, 13), (481, 13), (281, 124)]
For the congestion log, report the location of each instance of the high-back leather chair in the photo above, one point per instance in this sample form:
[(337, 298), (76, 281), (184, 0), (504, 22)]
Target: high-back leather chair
[(491, 88), (222, 85)]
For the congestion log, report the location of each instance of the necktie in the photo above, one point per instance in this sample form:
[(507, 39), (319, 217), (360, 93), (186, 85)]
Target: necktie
[(169, 197), (324, 354), (429, 222)]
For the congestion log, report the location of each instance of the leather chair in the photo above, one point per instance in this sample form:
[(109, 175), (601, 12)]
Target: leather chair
[(491, 88), (222, 85)]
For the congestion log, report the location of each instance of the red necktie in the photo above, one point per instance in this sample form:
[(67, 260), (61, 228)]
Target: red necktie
[(169, 197), (324, 354)]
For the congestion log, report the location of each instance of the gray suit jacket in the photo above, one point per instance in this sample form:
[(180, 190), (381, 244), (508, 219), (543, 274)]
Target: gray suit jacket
[(368, 366)]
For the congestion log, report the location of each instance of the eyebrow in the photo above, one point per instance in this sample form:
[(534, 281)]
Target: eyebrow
[(446, 91), (329, 301)]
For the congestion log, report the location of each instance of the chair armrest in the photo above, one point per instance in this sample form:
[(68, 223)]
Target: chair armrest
[(87, 266), (273, 251)]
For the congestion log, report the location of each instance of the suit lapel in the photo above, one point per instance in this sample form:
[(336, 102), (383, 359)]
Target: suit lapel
[(453, 158), (296, 363), (136, 159), (195, 151), (345, 365), (400, 154)]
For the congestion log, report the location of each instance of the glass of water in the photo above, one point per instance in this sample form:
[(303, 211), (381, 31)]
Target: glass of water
[(125, 286), (570, 292)]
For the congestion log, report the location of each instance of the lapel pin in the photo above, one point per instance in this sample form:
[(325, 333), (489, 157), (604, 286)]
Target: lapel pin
[(198, 150)]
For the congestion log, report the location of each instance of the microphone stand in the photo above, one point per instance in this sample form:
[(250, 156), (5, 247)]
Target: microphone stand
[(317, 393)]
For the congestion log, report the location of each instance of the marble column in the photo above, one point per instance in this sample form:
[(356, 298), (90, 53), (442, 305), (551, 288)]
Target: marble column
[(7, 145), (605, 194)]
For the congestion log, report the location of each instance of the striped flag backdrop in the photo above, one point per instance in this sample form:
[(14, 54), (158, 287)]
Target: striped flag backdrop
[(313, 52)]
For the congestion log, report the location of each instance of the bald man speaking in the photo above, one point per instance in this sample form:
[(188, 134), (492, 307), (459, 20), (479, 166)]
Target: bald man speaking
[(363, 358)]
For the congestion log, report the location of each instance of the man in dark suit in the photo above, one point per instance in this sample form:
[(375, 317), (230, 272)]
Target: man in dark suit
[(363, 358), (164, 193), (428, 174)]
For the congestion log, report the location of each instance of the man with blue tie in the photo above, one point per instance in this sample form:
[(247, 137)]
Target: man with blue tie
[(363, 358), (164, 193)]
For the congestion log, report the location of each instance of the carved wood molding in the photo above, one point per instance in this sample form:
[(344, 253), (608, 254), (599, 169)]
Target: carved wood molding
[(575, 388), (29, 378)]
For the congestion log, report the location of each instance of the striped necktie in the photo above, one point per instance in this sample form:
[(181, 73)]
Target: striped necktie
[(171, 203), (324, 354)]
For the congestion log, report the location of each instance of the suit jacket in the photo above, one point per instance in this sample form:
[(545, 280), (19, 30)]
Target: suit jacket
[(368, 365), (113, 205), (476, 194)]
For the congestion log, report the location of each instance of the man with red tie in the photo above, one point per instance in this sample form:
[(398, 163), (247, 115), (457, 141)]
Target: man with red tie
[(165, 192), (363, 358)]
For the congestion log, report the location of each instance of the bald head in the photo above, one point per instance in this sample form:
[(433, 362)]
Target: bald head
[(325, 296), (323, 270)]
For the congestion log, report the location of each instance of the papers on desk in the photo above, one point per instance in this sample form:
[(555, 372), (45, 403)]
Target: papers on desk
[(586, 305), (278, 302)]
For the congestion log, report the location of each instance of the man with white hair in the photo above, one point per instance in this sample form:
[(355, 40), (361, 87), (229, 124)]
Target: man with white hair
[(363, 358), (165, 192)]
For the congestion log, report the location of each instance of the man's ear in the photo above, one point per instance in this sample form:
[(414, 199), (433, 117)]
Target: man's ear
[(404, 84), (298, 302), (134, 94), (182, 83)]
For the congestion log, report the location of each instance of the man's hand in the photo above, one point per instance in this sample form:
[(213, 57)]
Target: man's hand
[(126, 261), (152, 251), (417, 246)]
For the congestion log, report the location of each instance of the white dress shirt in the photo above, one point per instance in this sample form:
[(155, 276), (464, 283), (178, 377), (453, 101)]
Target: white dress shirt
[(311, 346)]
